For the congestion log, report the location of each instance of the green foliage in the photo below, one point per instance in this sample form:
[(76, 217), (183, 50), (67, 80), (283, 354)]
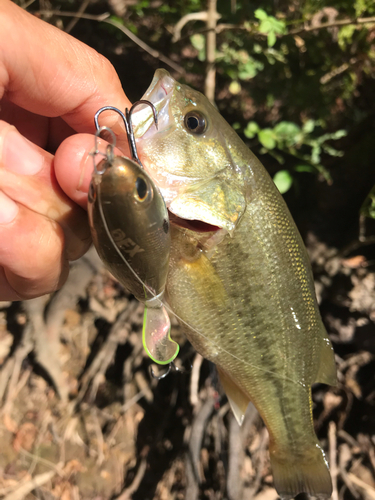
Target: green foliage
[(292, 91), (198, 41), (345, 36), (270, 26), (238, 64), (283, 180), (363, 6), (368, 207), (300, 142)]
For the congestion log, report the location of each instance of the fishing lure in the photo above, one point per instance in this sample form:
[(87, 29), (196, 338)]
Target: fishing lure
[(130, 229)]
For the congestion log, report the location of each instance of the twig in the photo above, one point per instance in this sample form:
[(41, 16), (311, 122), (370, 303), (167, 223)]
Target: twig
[(340, 22), (80, 11), (80, 276), (236, 456), (253, 28), (194, 380), (343, 462), (5, 375), (46, 346), (10, 378), (127, 493), (194, 16), (22, 491), (195, 444), (103, 18), (209, 84), (27, 4), (100, 440), (58, 468), (261, 460), (192, 488), (370, 491), (144, 386), (333, 458), (126, 406), (348, 438), (106, 354), (336, 71)]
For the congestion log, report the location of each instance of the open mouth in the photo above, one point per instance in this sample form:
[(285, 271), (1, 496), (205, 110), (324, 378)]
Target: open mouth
[(194, 225), (159, 94)]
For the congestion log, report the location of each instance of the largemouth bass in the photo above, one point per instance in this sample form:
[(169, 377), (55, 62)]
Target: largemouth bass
[(130, 230), (239, 277)]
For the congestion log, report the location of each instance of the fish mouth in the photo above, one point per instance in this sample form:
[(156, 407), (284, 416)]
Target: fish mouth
[(158, 94), (195, 225), (184, 209)]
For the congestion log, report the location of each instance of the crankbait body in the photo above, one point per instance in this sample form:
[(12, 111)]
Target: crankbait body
[(131, 232)]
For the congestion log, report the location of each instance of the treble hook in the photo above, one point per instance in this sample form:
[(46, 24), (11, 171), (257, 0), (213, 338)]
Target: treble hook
[(128, 124), (130, 132), (170, 366), (163, 375)]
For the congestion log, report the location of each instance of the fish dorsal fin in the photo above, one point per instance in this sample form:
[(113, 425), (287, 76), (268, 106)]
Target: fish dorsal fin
[(237, 399), (327, 373)]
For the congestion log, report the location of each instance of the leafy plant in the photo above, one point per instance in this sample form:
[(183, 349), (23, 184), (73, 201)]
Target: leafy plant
[(300, 142), (238, 63), (368, 207), (270, 26)]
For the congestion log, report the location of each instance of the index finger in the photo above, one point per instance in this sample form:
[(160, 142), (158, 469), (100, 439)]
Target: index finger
[(48, 72)]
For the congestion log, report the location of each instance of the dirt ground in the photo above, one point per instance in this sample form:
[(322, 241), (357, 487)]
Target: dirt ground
[(82, 418)]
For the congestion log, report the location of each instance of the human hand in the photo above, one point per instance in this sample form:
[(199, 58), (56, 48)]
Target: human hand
[(51, 86)]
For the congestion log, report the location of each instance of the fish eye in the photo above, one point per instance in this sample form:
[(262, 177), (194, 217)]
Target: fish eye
[(195, 122), (142, 189)]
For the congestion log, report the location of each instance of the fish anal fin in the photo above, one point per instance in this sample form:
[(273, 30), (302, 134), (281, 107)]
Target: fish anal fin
[(306, 473), (237, 399), (327, 373)]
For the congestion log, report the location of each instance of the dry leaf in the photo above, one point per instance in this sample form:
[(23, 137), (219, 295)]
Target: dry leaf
[(25, 437), (10, 424)]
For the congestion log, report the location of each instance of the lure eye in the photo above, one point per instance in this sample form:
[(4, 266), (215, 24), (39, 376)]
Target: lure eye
[(165, 226), (195, 122), (142, 190)]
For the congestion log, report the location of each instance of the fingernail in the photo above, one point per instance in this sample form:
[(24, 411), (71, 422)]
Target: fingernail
[(8, 209), (20, 155)]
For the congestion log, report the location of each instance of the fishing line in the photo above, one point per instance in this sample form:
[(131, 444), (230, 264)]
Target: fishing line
[(181, 320), (146, 287)]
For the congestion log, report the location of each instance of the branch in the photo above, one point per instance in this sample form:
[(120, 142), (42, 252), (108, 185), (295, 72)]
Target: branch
[(253, 28), (24, 489), (342, 22), (194, 16), (210, 80), (127, 494), (75, 20), (104, 18), (333, 458)]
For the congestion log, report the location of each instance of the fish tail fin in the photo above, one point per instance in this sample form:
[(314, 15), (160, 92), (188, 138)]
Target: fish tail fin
[(305, 473)]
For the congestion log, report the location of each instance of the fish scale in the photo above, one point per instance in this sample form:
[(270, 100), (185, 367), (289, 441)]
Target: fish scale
[(243, 293)]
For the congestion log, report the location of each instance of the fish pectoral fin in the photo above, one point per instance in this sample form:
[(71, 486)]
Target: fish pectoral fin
[(237, 399), (327, 373)]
